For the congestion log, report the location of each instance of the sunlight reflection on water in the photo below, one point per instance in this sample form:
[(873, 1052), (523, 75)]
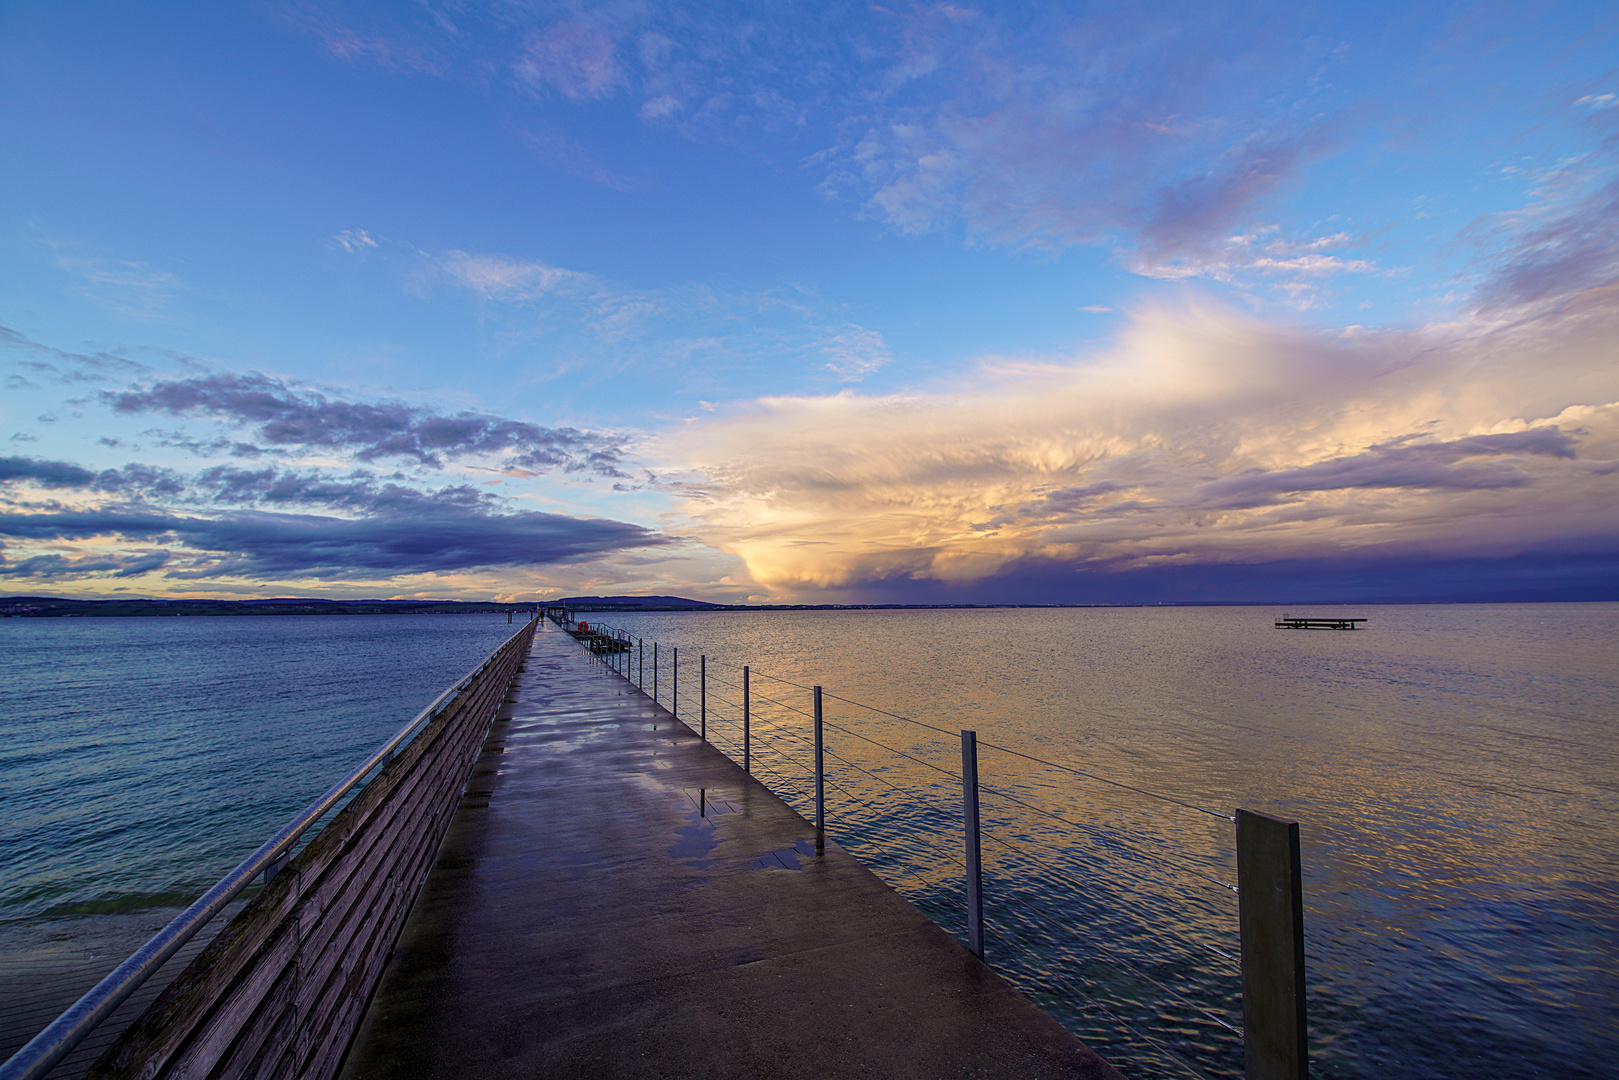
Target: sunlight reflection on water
[(1453, 769)]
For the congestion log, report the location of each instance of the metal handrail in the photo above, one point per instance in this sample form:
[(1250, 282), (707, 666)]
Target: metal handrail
[(43, 1051)]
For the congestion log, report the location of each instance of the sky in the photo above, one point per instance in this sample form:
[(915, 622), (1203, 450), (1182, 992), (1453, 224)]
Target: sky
[(810, 302)]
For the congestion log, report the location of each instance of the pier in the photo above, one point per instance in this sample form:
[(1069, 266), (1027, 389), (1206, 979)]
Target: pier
[(617, 898)]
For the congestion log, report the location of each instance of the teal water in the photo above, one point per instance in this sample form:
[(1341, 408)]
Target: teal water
[(1455, 770), (143, 758)]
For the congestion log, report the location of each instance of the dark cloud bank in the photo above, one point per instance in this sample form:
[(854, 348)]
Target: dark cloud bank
[(258, 524)]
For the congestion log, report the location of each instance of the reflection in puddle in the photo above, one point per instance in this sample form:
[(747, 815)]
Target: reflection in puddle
[(786, 858), (696, 837)]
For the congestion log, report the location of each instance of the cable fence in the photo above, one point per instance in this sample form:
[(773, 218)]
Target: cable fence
[(1166, 934)]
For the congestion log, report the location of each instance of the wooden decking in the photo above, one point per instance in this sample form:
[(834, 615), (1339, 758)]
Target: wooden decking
[(616, 898)]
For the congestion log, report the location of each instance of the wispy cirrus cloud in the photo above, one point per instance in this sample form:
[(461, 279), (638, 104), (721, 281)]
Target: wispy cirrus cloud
[(573, 58), (502, 277), (1021, 128), (1566, 241), (66, 365), (853, 352)]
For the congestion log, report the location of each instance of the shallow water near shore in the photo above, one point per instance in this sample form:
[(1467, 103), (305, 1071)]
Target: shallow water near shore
[(1453, 769)]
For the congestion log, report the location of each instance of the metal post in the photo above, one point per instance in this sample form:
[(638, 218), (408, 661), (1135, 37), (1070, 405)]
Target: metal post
[(747, 746), (820, 774), (975, 864), (1270, 913), (702, 694)]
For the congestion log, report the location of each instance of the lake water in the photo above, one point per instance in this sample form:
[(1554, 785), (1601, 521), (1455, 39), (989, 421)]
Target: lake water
[(1453, 769), (143, 758)]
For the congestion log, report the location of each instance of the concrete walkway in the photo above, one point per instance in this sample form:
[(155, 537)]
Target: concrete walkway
[(618, 899)]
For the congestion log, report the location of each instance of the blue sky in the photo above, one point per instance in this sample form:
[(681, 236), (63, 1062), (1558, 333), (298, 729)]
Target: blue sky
[(809, 302)]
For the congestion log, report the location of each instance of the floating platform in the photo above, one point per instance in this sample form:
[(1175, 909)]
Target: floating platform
[(1289, 623)]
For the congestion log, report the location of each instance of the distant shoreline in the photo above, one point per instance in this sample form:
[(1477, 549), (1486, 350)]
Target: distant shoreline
[(45, 607)]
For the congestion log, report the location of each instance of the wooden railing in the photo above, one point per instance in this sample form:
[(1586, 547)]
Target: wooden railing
[(282, 988)]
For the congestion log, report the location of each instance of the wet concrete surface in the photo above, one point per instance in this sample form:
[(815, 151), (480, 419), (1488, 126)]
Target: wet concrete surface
[(616, 898)]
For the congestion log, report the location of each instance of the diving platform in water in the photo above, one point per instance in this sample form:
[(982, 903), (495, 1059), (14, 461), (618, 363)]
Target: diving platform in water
[(1289, 623)]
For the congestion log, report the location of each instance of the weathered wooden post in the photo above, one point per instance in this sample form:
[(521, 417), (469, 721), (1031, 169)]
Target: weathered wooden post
[(654, 671), (820, 774), (640, 665), (1270, 913), (975, 866), (702, 695), (747, 745), (674, 699)]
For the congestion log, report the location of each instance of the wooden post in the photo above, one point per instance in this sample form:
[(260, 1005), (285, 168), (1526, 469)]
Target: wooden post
[(975, 865), (820, 774), (702, 695), (1270, 889), (674, 701), (747, 746)]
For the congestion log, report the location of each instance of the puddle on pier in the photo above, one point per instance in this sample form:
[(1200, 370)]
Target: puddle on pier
[(786, 858), (697, 835)]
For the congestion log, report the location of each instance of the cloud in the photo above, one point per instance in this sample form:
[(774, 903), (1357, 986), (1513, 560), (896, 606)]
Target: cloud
[(502, 278), (373, 527), (66, 366), (355, 241), (572, 58), (1295, 267), (260, 545), (1565, 242), (282, 415), (129, 287), (1188, 215), (853, 352), (1202, 438), (1406, 464), (1020, 127), (50, 474), (55, 565)]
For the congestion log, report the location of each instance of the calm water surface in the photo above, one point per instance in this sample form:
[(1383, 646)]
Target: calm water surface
[(1453, 769), (142, 758)]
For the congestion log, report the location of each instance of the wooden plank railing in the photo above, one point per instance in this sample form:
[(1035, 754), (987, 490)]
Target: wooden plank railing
[(282, 988)]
